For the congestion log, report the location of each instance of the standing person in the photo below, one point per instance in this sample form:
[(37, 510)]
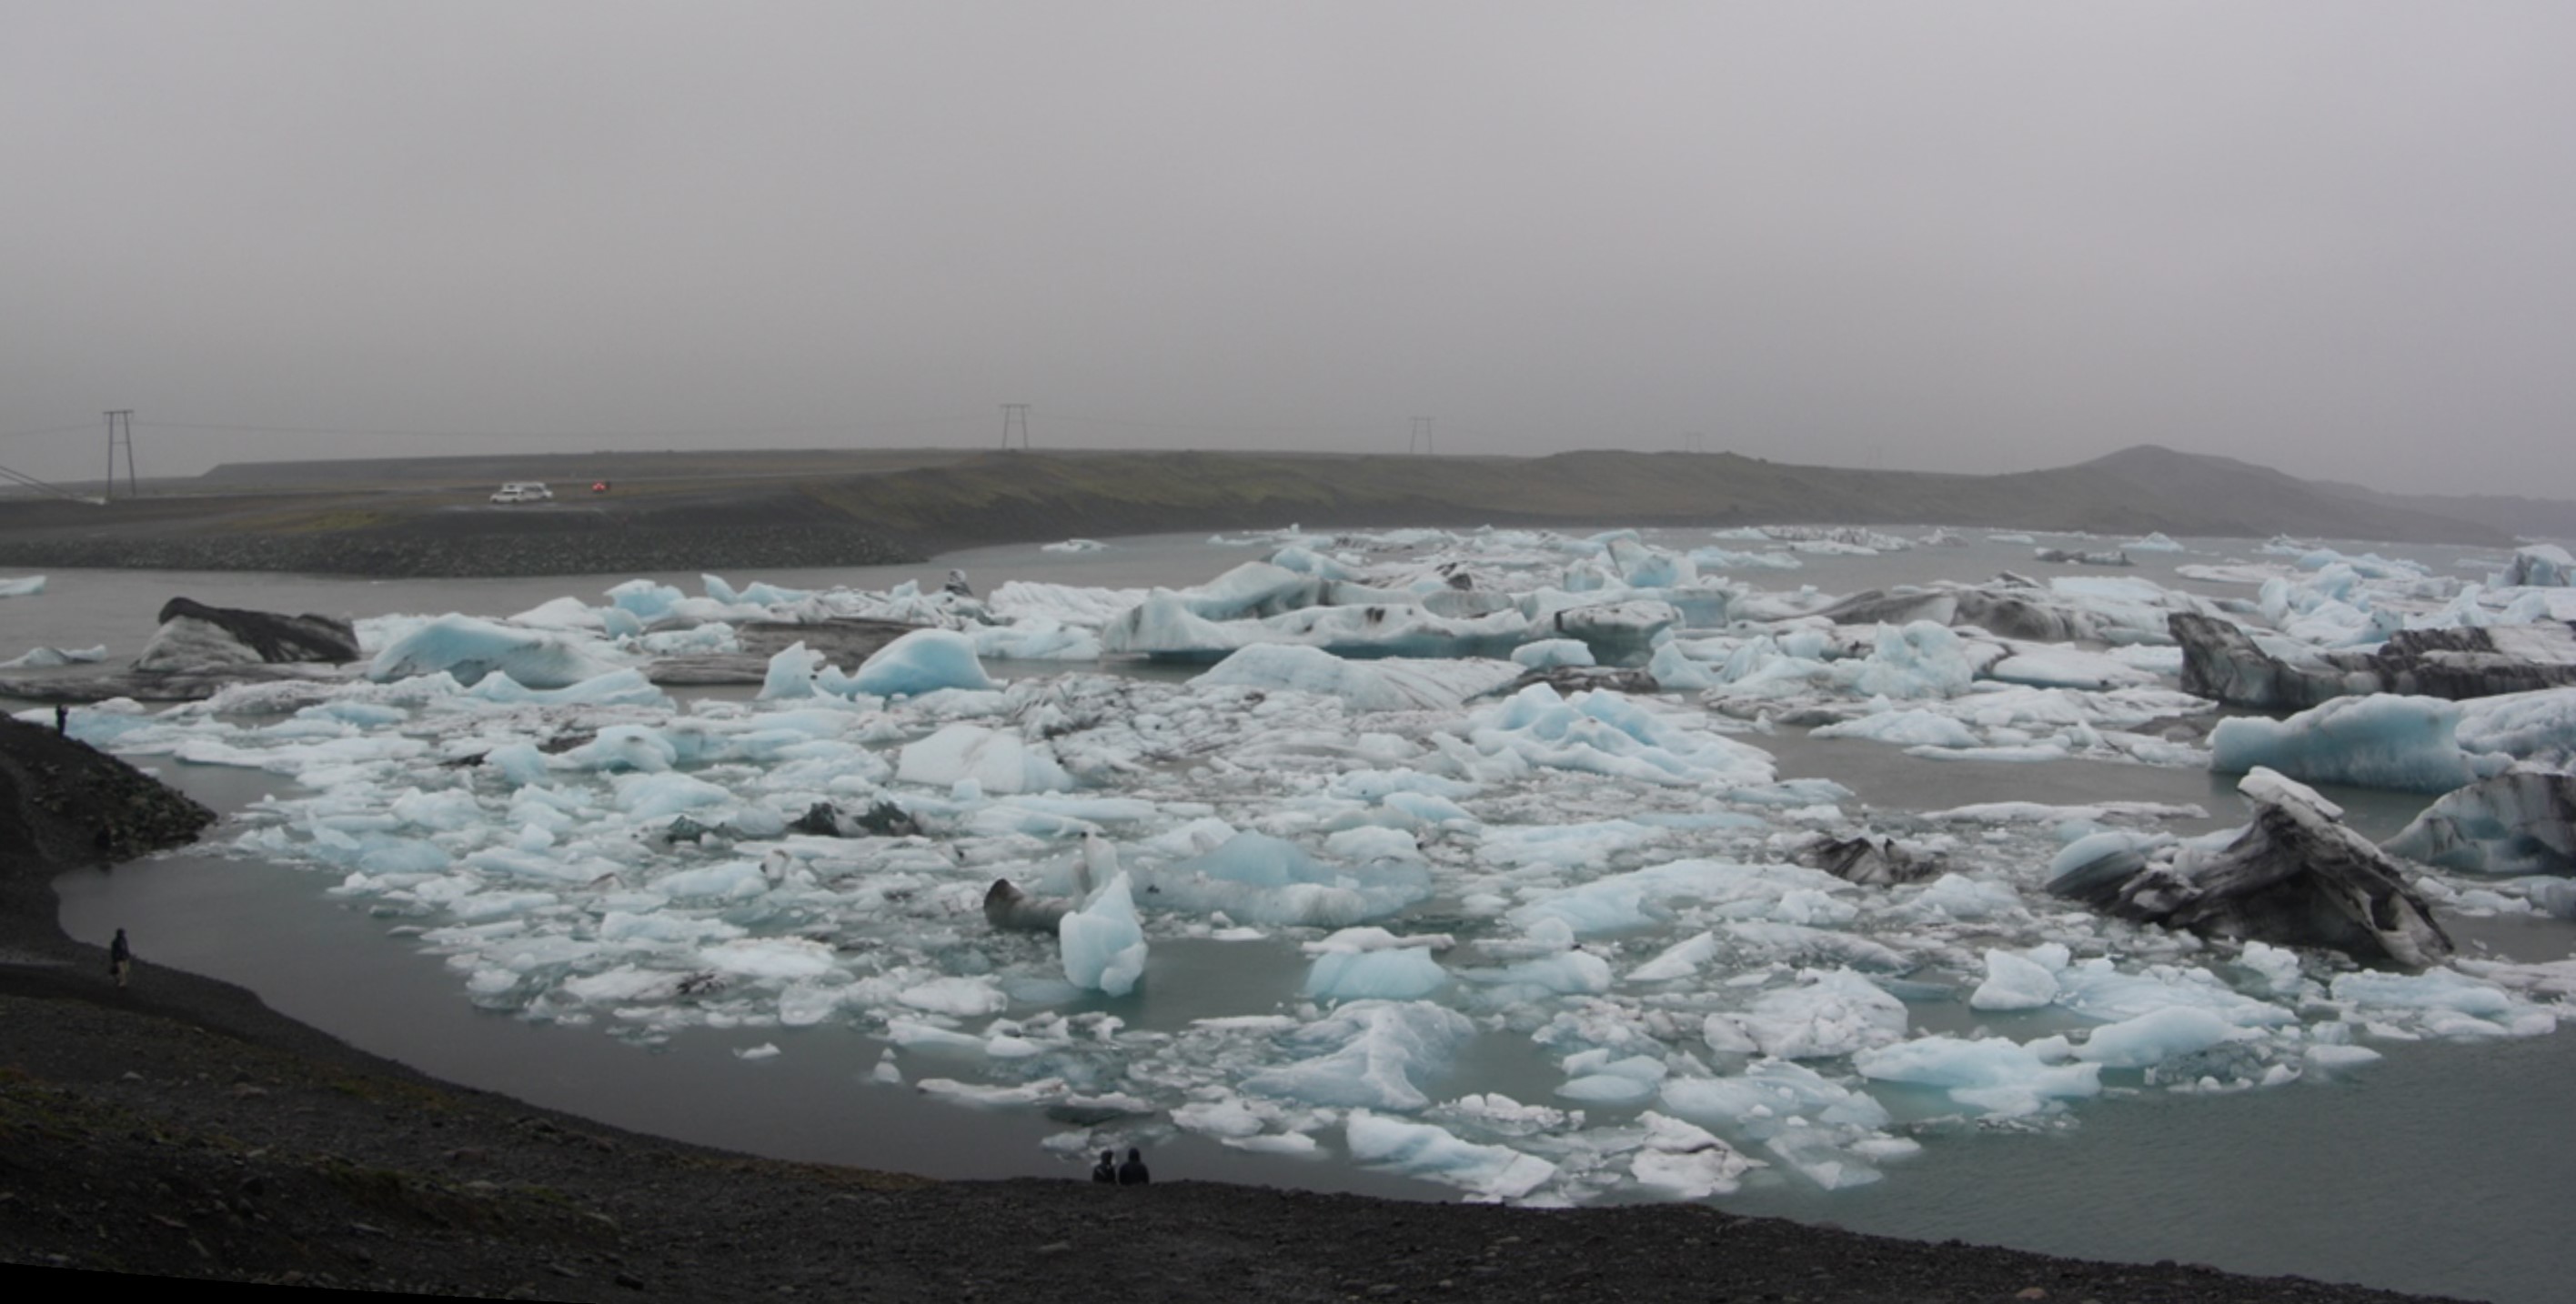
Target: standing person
[(1107, 1169), (62, 718), (120, 958), (1132, 1173)]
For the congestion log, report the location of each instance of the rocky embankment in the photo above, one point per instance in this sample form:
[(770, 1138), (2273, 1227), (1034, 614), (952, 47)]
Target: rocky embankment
[(178, 1127), (624, 552)]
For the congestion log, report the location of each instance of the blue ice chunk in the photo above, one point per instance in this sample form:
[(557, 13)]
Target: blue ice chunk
[(2154, 1037), (1548, 653), (1398, 973), (661, 796), (1258, 859), (624, 747), (1104, 946), (1769, 1097), (733, 880), (1430, 1152), (470, 649), (1257, 879), (518, 761), (644, 599), (922, 661), (2380, 741), (1995, 1074), (2540, 565), (626, 687), (1307, 561), (791, 673), (1365, 1055), (1677, 672)]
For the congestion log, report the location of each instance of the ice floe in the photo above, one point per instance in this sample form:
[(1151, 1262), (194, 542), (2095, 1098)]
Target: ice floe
[(1366, 857)]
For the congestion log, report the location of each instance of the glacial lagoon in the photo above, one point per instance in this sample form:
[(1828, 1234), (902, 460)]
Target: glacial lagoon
[(858, 1010)]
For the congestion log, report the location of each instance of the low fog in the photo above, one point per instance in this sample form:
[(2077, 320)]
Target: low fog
[(2329, 237)]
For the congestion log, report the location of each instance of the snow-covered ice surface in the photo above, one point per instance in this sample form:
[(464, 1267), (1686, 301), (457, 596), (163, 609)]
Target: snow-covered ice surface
[(1445, 869)]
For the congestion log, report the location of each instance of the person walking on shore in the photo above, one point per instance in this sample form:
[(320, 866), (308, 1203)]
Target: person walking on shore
[(120, 958)]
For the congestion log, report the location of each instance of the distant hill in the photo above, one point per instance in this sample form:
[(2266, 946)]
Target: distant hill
[(817, 507), (2531, 518), (997, 496)]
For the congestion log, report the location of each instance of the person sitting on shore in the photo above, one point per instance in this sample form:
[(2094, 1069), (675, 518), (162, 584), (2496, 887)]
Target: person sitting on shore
[(1107, 1169), (1132, 1173)]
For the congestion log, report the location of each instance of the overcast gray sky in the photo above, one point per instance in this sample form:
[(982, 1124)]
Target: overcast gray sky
[(2333, 237)]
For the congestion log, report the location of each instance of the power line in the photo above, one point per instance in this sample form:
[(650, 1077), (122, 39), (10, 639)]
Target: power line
[(82, 428)]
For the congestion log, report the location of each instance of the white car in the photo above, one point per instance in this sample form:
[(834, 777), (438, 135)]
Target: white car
[(530, 491)]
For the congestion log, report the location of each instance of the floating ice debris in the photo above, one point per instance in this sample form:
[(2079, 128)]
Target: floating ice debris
[(2520, 822), (1609, 873), (922, 661), (2155, 1037), (1427, 1151), (2296, 875), (2379, 741), (2539, 565), (2020, 981), (23, 587), (1104, 946), (1365, 1054), (54, 656), (1685, 1161), (470, 649), (995, 762), (1385, 685), (1829, 1013), (1999, 1076)]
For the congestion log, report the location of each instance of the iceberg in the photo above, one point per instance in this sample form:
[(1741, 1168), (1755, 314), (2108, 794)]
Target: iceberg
[(2002, 1077), (469, 649), (1426, 1150), (995, 762), (1406, 685), (1104, 946), (922, 661), (2519, 822), (2296, 876), (2379, 741), (1366, 1055)]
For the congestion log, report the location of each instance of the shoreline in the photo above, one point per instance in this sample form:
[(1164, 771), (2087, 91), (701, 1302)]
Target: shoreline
[(180, 1127)]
